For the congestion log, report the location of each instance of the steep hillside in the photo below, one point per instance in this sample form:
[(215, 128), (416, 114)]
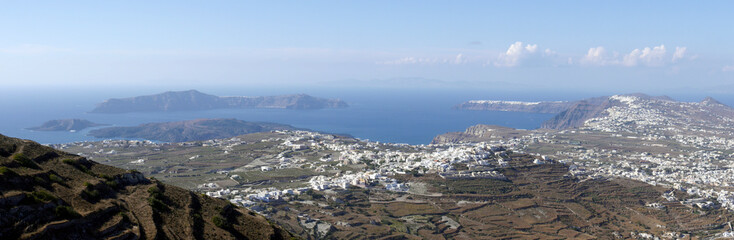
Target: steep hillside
[(576, 115), (634, 111), (49, 194)]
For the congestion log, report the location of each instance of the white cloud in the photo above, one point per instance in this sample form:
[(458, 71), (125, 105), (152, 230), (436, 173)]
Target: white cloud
[(652, 57), (515, 54), (460, 59), (598, 56), (679, 53), (729, 68), (647, 56)]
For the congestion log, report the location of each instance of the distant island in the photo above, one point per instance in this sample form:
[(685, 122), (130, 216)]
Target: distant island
[(193, 130), (66, 125), (521, 106), (193, 100)]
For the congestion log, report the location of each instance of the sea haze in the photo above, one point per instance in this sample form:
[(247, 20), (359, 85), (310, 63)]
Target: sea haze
[(398, 116)]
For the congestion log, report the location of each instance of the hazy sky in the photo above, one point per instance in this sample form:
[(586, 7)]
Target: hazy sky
[(619, 45)]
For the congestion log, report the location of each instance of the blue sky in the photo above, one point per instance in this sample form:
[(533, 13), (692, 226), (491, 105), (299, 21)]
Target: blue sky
[(664, 46)]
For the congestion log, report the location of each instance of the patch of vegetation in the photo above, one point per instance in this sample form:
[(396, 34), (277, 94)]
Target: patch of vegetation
[(5, 171), (24, 161), (155, 192), (111, 183), (105, 176), (91, 194), (40, 180), (220, 222), (66, 212), (156, 199), (55, 178), (78, 165), (42, 196)]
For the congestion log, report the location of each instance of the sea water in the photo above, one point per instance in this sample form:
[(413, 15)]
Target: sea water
[(385, 115)]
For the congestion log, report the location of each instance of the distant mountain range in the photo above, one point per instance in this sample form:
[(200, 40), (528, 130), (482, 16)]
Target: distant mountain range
[(193, 100), (66, 125), (193, 130)]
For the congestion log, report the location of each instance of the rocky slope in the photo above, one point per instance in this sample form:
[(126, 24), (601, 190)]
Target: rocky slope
[(631, 110), (193, 100), (193, 130), (49, 194), (65, 125), (576, 115)]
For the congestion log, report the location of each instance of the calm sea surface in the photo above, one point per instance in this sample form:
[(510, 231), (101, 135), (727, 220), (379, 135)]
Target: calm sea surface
[(399, 116)]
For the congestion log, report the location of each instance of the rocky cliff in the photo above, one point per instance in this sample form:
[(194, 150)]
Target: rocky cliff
[(193, 100), (577, 114)]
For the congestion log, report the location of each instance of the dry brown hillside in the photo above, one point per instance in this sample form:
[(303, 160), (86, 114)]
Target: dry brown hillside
[(49, 194)]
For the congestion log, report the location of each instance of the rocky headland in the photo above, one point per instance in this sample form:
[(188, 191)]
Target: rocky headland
[(66, 125)]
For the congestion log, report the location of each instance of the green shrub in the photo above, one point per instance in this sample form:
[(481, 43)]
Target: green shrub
[(91, 195), (55, 178), (155, 192), (111, 184), (5, 171), (157, 204), (78, 165), (69, 161), (40, 180), (42, 196), (156, 199), (220, 222), (66, 212), (24, 161)]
